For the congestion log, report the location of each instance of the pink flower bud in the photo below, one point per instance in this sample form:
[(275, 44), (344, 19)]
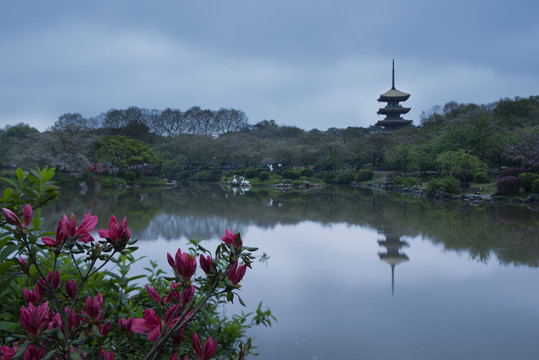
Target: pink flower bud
[(12, 218), (22, 261), (105, 355), (153, 294), (27, 215), (210, 348), (94, 306), (104, 329), (35, 319), (30, 296), (71, 288), (188, 295), (53, 281)]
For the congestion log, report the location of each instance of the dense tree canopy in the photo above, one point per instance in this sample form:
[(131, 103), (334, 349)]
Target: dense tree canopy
[(175, 141)]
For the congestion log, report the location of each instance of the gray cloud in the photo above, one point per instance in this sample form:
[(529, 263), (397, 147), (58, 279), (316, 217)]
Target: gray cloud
[(310, 64)]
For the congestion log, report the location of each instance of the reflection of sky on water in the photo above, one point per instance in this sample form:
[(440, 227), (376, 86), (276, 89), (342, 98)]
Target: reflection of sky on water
[(332, 296)]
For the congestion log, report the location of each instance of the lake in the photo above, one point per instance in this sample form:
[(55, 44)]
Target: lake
[(353, 273)]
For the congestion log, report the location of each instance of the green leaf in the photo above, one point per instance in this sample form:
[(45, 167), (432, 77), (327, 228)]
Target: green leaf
[(136, 277), (75, 355), (7, 251), (95, 331), (21, 350), (36, 220), (7, 194), (20, 175), (49, 354), (240, 300), (9, 181), (6, 325)]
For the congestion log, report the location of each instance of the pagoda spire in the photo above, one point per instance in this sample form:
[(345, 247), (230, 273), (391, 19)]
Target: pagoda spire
[(393, 76)]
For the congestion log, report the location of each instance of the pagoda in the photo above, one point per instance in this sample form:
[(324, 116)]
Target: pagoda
[(393, 110)]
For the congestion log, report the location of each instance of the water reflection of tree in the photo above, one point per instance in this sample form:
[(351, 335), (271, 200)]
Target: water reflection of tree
[(508, 232)]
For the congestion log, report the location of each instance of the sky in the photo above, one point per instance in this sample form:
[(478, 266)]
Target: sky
[(305, 63)]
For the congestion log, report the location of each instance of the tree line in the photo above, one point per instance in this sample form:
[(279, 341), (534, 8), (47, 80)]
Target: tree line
[(174, 143)]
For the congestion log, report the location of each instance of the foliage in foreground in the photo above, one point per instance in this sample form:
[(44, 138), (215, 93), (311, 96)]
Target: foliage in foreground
[(60, 302)]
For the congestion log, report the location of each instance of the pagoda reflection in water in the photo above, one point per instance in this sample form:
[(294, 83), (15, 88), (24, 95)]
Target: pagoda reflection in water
[(393, 255)]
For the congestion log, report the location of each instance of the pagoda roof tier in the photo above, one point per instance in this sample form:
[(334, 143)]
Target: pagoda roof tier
[(393, 95), (391, 123), (393, 259), (393, 110)]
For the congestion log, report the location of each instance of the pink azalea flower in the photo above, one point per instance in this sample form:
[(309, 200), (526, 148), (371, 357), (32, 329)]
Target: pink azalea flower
[(151, 324), (35, 319), (173, 293), (233, 239), (235, 273), (8, 352), (125, 324), (67, 228), (206, 263), (188, 295), (61, 234), (86, 226), (116, 233), (184, 263), (210, 348)]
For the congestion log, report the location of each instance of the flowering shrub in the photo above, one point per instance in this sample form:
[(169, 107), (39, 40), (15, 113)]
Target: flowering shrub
[(524, 151), (63, 304), (507, 185)]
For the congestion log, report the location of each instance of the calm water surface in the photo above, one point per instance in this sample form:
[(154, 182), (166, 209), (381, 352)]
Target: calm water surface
[(358, 275)]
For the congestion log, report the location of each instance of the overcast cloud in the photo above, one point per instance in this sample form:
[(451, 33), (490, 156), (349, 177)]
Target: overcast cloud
[(313, 64)]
